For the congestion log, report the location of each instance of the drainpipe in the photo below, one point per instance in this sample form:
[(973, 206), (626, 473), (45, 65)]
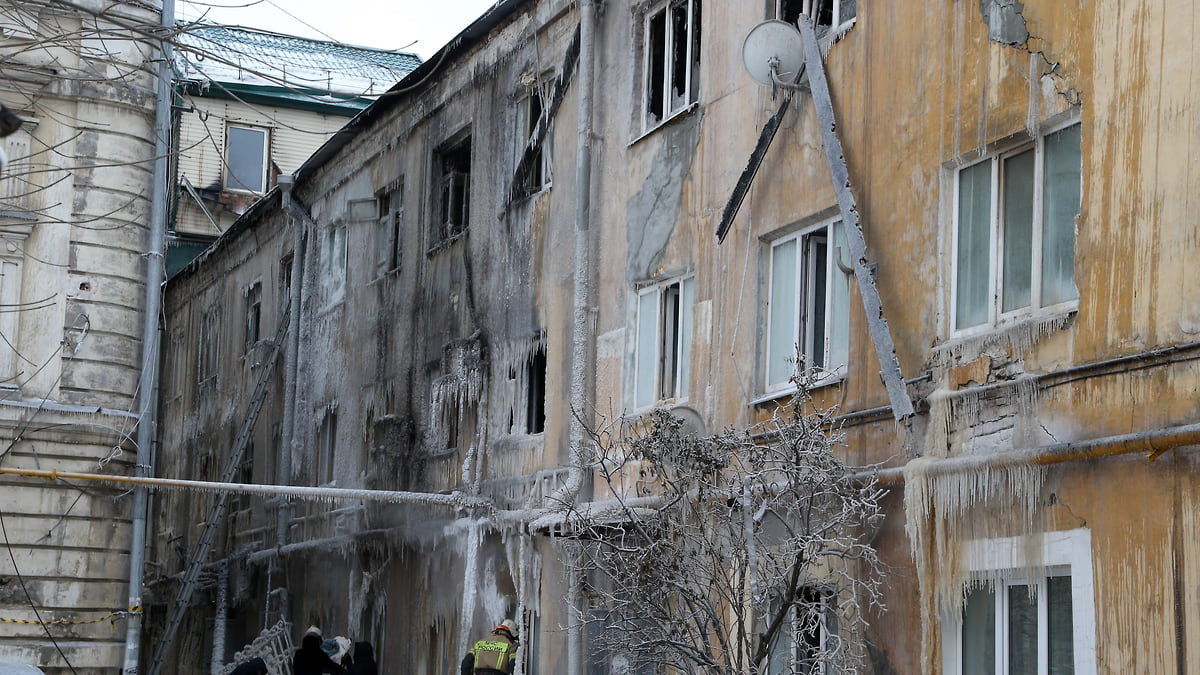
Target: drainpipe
[(150, 342), (582, 339), (301, 222)]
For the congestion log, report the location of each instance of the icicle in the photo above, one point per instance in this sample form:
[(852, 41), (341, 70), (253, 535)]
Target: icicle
[(1016, 339)]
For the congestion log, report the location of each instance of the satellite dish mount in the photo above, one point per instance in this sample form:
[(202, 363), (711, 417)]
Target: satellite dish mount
[(773, 54)]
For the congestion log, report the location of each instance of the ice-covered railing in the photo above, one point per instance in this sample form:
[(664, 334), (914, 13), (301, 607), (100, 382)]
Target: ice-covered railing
[(273, 646)]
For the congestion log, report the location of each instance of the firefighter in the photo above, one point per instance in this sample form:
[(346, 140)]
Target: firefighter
[(495, 654)]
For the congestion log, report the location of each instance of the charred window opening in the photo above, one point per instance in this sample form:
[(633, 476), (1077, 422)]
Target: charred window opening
[(672, 50), (253, 314), (454, 190), (533, 172), (390, 214), (326, 447), (824, 13), (535, 392), (209, 342)]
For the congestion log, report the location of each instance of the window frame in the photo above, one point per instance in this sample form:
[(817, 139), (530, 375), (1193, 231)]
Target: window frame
[(997, 316), (804, 281), (12, 273), (232, 183), (806, 6), (253, 296), (389, 229), (692, 65), (1068, 552), (326, 447), (208, 355), (677, 359), (334, 254), (442, 228)]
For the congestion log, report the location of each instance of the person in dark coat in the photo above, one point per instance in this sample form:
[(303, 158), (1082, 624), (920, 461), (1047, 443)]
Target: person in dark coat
[(364, 660), (310, 659), (251, 667)]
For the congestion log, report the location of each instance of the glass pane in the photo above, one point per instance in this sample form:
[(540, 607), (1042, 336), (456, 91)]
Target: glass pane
[(1061, 631), (246, 158), (839, 299), (1062, 191), (656, 46), (1018, 230), (1022, 630), (668, 346), (687, 297), (817, 274), (979, 632), (781, 331), (645, 358), (974, 245)]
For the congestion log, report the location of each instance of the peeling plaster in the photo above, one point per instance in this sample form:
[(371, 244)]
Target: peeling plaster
[(1005, 21), (651, 214)]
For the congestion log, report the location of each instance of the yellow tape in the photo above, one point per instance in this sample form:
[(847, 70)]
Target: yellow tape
[(111, 617)]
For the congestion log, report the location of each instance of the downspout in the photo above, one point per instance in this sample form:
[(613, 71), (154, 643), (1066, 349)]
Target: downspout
[(301, 223), (582, 338), (150, 343)]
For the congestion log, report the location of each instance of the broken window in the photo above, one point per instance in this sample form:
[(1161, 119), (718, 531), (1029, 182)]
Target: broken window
[(253, 313), (1014, 232), (806, 632), (454, 189), (824, 13), (1013, 622), (535, 391), (390, 214), (672, 59), (326, 447), (662, 357), (808, 305), (533, 171), (246, 158), (209, 342), (333, 264)]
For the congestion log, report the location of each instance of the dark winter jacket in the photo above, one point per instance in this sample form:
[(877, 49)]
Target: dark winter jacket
[(311, 660), (252, 667), (364, 660)]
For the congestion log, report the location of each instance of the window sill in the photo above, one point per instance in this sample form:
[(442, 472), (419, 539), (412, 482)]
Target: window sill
[(380, 276), (445, 243), (1023, 330), (682, 112), (831, 380)]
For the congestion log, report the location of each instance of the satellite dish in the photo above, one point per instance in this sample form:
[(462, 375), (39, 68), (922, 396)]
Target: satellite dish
[(773, 43)]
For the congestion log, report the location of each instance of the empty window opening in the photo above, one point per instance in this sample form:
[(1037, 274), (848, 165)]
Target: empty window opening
[(808, 306), (253, 313), (390, 214), (672, 52), (209, 342), (535, 392), (1015, 231), (326, 447), (246, 158), (664, 342), (285, 284), (533, 172), (454, 164), (333, 264)]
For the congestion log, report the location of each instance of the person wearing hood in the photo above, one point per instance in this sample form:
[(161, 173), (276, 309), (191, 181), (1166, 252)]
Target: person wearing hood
[(364, 660), (251, 667), (494, 654), (310, 659)]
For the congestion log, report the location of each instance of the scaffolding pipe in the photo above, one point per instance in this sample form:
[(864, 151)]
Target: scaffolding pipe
[(150, 342), (1154, 442)]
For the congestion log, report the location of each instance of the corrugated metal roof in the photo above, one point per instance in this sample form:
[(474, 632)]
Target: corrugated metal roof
[(235, 54)]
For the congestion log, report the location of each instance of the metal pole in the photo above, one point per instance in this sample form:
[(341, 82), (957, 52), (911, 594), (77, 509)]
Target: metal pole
[(150, 340)]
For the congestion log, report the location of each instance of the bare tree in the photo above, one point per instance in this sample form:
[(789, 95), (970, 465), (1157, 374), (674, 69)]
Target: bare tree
[(744, 552)]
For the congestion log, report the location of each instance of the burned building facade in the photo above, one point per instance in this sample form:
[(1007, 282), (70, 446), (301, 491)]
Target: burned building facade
[(516, 244)]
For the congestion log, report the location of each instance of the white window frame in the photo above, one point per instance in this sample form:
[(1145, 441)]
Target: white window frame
[(996, 316), (231, 183), (649, 378), (803, 285), (691, 85), (1063, 553), (786, 646), (806, 8)]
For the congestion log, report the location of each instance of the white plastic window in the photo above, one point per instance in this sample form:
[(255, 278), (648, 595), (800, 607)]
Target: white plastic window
[(664, 342), (246, 158), (1015, 231), (672, 59), (808, 306)]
